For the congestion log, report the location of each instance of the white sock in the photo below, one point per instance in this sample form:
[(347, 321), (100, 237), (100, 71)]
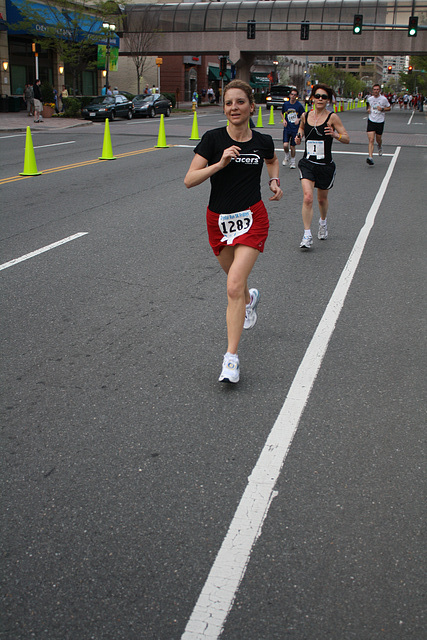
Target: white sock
[(322, 222), (307, 233)]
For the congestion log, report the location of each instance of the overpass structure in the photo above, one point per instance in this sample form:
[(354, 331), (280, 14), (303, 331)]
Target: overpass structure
[(221, 28)]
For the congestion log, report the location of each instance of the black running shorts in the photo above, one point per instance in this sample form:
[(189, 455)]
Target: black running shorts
[(378, 127), (323, 175)]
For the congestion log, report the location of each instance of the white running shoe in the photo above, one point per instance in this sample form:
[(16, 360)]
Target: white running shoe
[(306, 242), (230, 368), (250, 313), (380, 151), (323, 232), (292, 164), (285, 159)]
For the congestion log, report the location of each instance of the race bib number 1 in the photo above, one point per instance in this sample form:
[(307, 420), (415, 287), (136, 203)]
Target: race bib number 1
[(316, 148), (233, 225)]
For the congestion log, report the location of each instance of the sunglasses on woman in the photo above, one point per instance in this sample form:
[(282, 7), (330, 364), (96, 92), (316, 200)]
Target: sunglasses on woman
[(321, 96)]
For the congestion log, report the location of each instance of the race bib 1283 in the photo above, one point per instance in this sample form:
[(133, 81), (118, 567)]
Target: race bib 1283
[(233, 225)]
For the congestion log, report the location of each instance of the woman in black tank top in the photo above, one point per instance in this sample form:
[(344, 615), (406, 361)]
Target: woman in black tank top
[(317, 168)]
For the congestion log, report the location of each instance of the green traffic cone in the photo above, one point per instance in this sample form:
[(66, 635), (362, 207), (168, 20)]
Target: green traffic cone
[(30, 165), (195, 129), (161, 140), (271, 120), (107, 149), (259, 121)]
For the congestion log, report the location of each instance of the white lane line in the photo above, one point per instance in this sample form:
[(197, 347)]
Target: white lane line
[(216, 599), (16, 135), (410, 119), (27, 256), (54, 144)]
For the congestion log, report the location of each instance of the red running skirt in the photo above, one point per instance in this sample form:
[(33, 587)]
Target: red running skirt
[(255, 237)]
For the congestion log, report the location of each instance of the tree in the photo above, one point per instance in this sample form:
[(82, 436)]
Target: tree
[(343, 83), (138, 38), (72, 29), (417, 80)]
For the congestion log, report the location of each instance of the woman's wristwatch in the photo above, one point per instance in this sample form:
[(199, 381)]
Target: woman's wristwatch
[(271, 180)]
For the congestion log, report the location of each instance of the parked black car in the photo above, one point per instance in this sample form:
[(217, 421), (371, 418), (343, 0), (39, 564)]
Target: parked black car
[(110, 107), (127, 94), (151, 105)]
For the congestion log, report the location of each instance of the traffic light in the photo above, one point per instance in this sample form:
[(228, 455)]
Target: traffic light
[(222, 66), (410, 68), (389, 69), (305, 30), (251, 29), (413, 26), (357, 23)]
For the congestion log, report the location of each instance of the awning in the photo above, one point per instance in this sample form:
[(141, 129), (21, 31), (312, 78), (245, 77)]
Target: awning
[(66, 23), (213, 74), (259, 80)]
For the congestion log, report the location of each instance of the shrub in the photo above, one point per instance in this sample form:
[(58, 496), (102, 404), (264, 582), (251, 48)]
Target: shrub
[(73, 107), (172, 98), (46, 90)]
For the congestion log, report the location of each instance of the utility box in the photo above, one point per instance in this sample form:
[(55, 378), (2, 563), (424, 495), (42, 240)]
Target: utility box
[(4, 104), (14, 104)]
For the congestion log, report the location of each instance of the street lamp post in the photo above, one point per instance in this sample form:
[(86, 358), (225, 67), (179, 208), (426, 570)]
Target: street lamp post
[(110, 28)]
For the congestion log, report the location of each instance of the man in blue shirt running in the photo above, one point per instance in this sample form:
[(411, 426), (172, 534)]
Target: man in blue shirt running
[(291, 115)]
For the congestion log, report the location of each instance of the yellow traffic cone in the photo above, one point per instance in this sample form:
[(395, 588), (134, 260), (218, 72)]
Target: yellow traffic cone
[(271, 120), (306, 107), (107, 149), (30, 165), (259, 121), (161, 140), (195, 128)]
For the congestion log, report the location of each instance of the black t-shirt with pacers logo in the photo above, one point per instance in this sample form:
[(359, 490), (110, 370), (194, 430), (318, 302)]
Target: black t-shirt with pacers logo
[(237, 186)]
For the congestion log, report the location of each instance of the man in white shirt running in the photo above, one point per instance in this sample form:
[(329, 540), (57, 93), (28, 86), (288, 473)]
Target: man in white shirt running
[(376, 106)]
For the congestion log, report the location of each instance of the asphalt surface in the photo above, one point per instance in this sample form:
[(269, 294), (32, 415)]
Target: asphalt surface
[(124, 460)]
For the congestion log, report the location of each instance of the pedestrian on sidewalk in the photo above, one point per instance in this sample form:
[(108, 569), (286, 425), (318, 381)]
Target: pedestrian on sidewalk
[(38, 106), (317, 169), (64, 97), (29, 98), (232, 157)]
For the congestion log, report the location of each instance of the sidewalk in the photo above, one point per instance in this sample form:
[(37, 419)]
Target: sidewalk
[(19, 121)]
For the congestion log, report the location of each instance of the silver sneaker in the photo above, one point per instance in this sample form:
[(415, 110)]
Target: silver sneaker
[(380, 151), (250, 313), (323, 232), (306, 242), (285, 159), (292, 164), (230, 368)]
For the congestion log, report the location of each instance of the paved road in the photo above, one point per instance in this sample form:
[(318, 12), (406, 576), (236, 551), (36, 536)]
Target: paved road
[(125, 463)]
